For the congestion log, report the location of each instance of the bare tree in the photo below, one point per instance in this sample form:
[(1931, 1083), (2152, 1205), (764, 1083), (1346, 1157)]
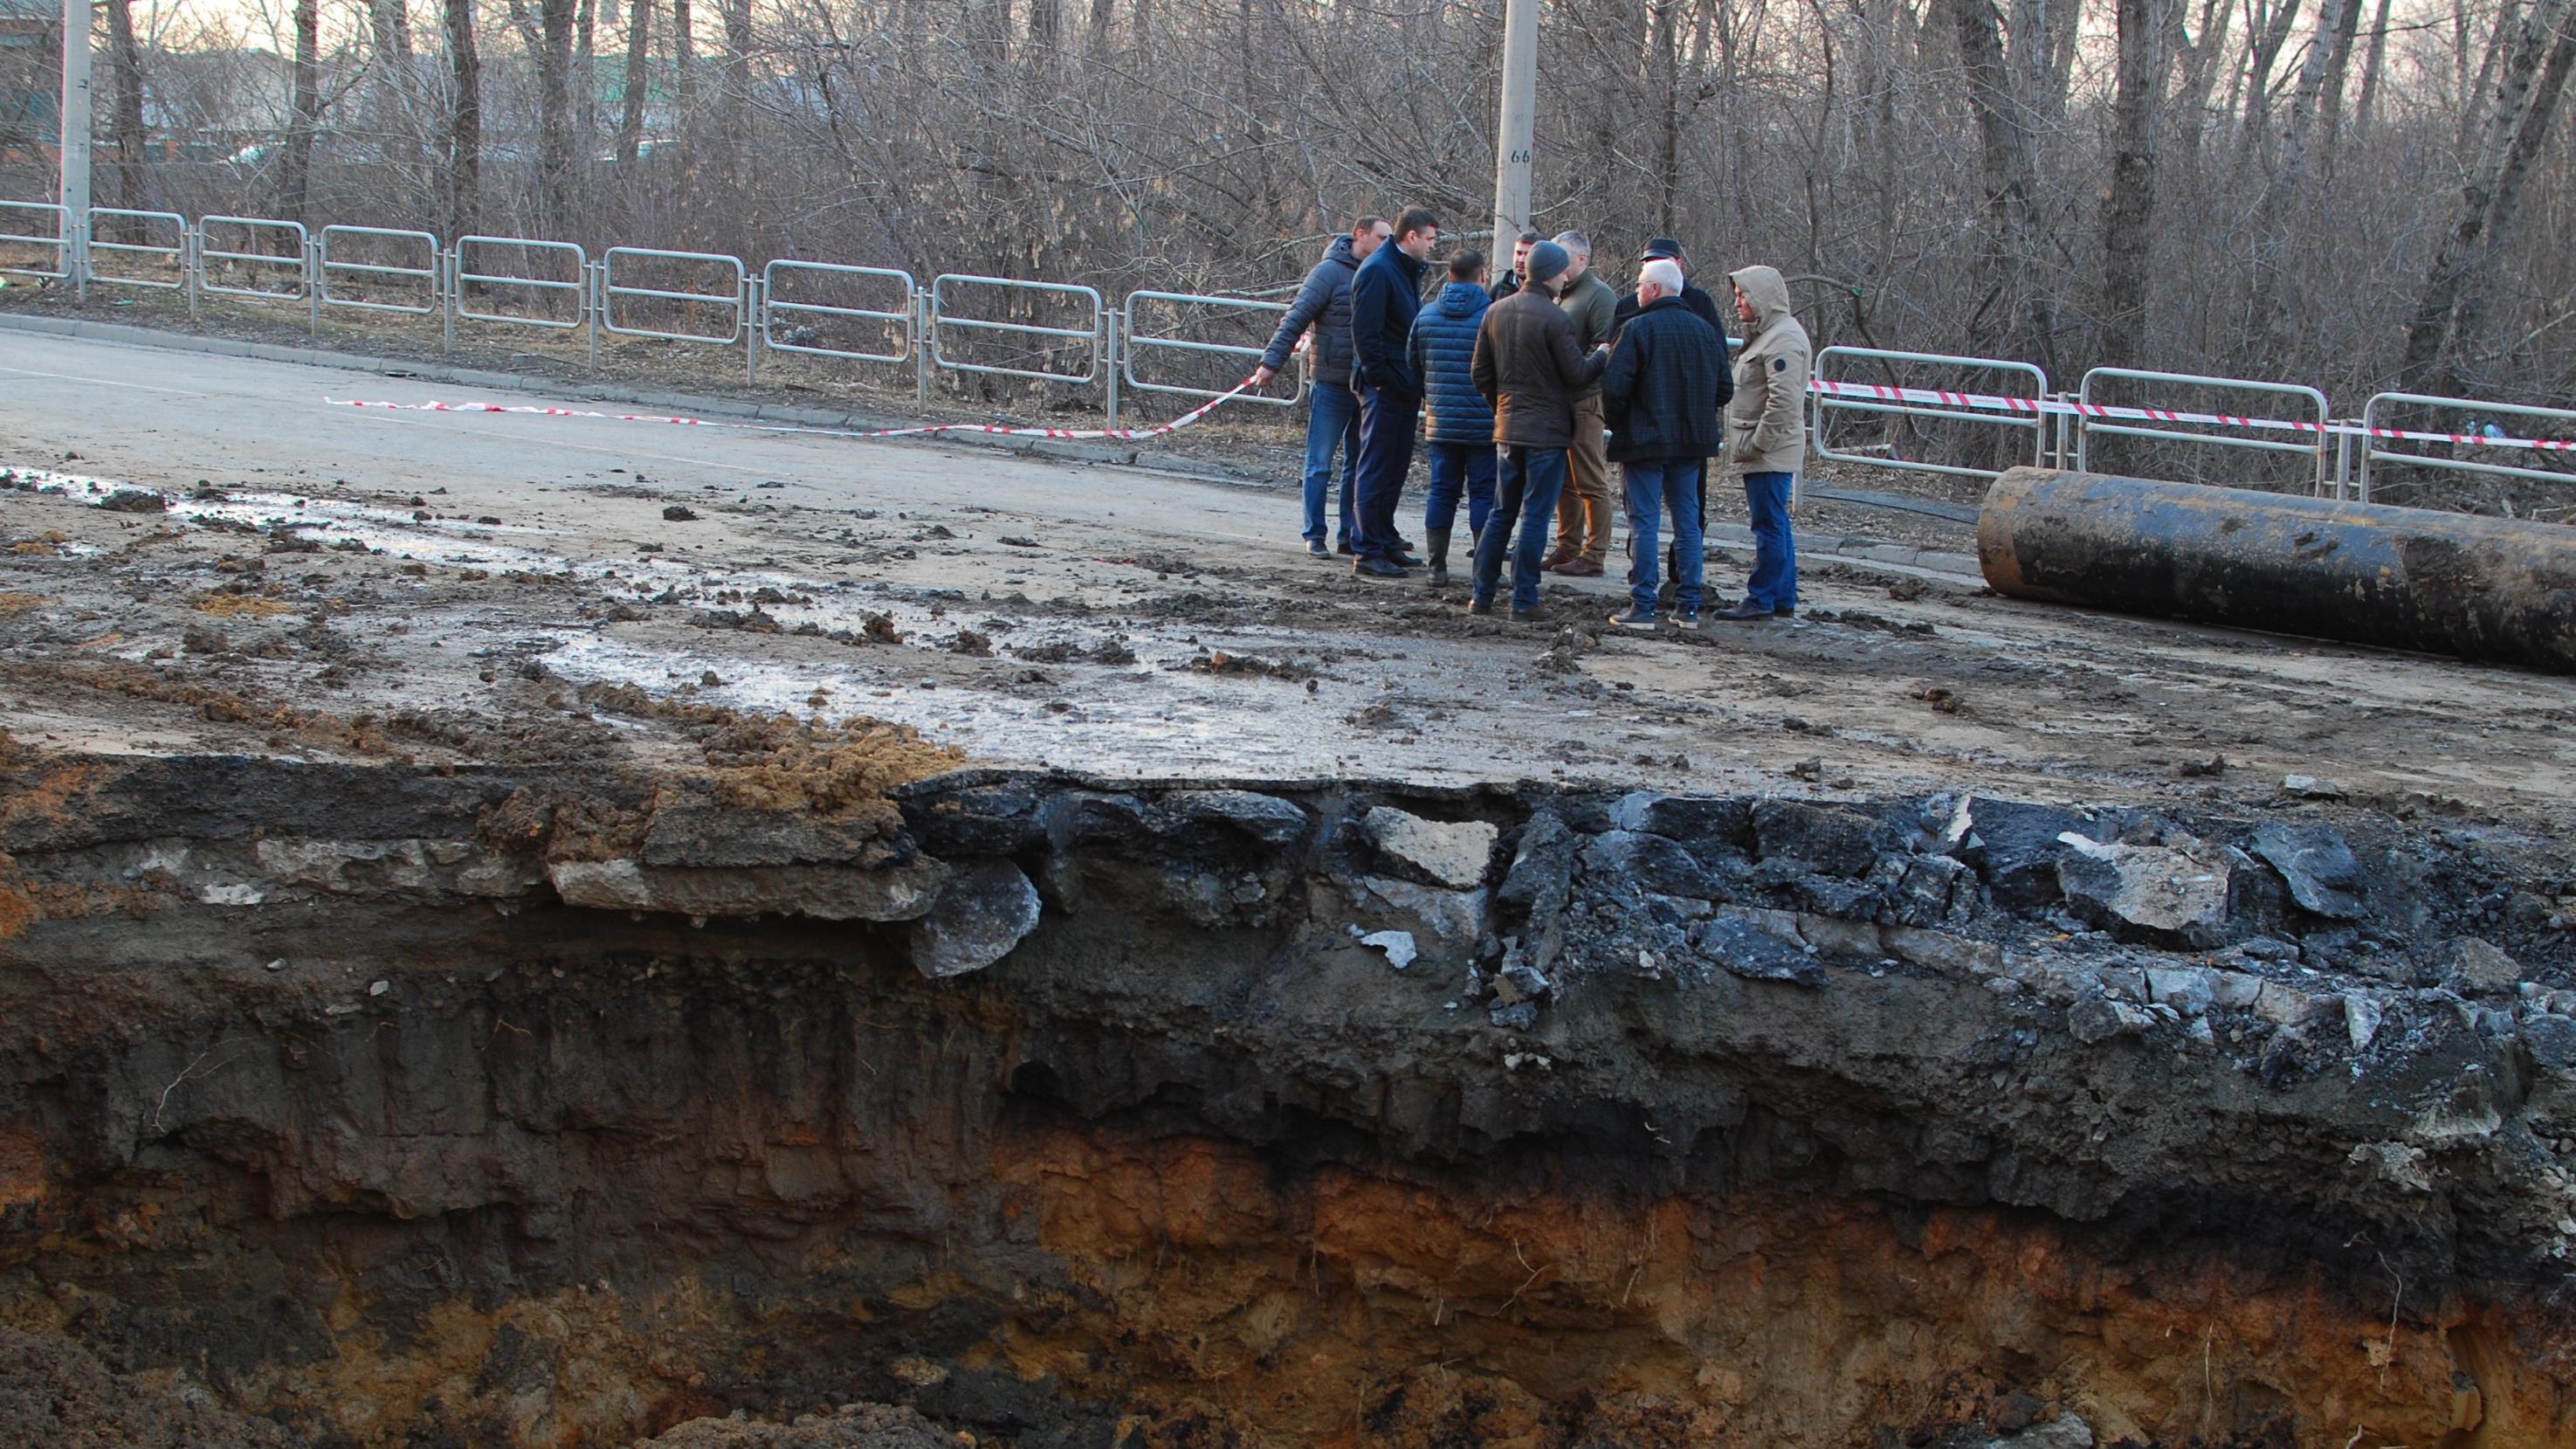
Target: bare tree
[(639, 60), (464, 122), (2129, 204), (2534, 75), (127, 140)]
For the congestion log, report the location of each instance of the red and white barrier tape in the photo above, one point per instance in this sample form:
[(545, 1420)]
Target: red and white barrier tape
[(2031, 406), (1871, 391), (1124, 435)]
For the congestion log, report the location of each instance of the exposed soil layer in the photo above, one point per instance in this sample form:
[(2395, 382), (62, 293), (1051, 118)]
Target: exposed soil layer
[(540, 1104)]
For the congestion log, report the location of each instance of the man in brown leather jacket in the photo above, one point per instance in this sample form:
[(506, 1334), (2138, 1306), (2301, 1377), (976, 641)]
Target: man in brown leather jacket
[(1528, 366)]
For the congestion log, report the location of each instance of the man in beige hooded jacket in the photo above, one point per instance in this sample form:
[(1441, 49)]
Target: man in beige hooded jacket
[(1766, 436)]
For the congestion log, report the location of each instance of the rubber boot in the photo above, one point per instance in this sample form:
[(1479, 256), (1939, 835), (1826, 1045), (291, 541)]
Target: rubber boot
[(1436, 548)]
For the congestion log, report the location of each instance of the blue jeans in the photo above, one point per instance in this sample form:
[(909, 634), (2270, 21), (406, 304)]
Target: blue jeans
[(1453, 466), (1531, 478), (1774, 584), (1387, 424), (1332, 423), (1654, 488)]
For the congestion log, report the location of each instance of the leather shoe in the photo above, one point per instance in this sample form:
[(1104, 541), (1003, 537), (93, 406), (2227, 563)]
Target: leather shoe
[(1785, 611), (1529, 616), (1581, 568), (1557, 560), (1343, 546), (1315, 549), (1480, 606), (1377, 568), (1403, 558), (1742, 612)]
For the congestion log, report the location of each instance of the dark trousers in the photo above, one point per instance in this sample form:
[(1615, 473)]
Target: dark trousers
[(1526, 493), (1387, 425), (1459, 469)]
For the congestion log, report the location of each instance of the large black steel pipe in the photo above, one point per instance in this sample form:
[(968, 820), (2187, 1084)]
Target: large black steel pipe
[(2495, 589)]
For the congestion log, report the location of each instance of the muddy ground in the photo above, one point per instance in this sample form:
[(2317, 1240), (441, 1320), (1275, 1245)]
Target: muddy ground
[(457, 579)]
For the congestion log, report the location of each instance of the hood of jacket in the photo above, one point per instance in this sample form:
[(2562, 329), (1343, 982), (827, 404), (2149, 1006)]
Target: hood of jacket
[(1767, 291), (1461, 299), (1340, 251)]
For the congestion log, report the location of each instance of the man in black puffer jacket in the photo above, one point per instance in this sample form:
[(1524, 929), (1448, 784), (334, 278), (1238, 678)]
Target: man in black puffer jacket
[(1323, 307), (1662, 395)]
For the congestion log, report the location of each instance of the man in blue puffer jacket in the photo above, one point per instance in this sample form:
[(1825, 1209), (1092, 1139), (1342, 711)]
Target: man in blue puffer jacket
[(1460, 423)]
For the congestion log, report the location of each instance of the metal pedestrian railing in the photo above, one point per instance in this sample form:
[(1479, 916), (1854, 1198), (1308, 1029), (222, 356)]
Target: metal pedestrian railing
[(1138, 337), (2319, 445), (2034, 385), (401, 278), (2378, 452), (1084, 340), (281, 274), (16, 219), (1181, 344), (173, 253), (807, 320)]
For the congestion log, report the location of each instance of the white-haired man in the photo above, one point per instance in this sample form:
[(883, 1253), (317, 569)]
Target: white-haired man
[(1661, 395)]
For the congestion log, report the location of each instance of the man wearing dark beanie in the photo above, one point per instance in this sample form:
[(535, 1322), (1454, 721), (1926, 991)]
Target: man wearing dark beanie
[(1528, 366)]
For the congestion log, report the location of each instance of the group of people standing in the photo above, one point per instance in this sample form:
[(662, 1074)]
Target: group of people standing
[(1525, 390)]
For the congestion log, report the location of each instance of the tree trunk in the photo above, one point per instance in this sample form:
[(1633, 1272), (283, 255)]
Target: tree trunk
[(464, 123), (737, 26), (127, 141), (554, 117), (684, 55), (2502, 157), (585, 80), (2365, 108), (2263, 341), (1104, 14), (2013, 317), (304, 101), (639, 79), (2129, 204), (2468, 317), (389, 41)]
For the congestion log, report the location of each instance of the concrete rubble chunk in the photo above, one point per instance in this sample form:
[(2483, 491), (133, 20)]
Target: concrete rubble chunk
[(2552, 1042), (2361, 1017), (1657, 864), (1449, 853), (1265, 819), (2484, 965), (1542, 871), (2288, 1006), (2187, 989), (2161, 889), (2309, 787), (820, 892), (985, 911), (2317, 865), (1747, 950), (1398, 946), (2096, 1019), (1459, 917)]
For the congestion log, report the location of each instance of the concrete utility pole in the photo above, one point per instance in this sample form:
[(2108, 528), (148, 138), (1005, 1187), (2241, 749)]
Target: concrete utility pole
[(1512, 132), (75, 192)]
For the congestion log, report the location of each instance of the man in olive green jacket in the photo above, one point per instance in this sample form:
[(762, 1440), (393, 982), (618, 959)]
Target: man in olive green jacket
[(1583, 509), (1766, 436)]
